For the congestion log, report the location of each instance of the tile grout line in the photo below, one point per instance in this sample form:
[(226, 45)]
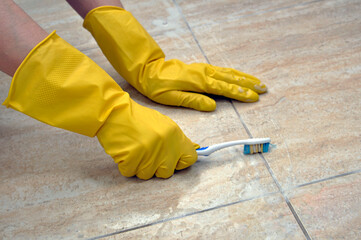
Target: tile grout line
[(264, 12), (230, 204), (248, 132), (190, 30), (185, 215), (241, 120), (325, 179), (289, 204)]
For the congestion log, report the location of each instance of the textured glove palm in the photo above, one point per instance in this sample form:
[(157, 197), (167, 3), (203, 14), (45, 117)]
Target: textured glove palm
[(139, 60)]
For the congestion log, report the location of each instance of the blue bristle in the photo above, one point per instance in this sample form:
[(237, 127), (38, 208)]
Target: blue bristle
[(265, 147), (246, 149)]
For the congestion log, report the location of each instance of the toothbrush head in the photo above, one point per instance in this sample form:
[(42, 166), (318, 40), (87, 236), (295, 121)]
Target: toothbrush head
[(256, 148)]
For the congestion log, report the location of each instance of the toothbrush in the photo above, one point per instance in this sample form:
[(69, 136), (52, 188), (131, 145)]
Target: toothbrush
[(251, 146)]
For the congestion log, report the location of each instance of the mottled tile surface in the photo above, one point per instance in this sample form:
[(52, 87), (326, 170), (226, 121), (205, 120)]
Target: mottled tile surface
[(309, 54), (331, 209), (60, 185), (264, 218)]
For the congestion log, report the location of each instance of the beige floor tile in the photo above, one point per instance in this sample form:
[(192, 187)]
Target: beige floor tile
[(56, 184), (309, 56), (264, 218), (312, 142), (201, 13), (330, 209)]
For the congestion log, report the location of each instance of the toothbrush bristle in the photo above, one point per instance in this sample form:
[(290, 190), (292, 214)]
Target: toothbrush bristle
[(256, 148)]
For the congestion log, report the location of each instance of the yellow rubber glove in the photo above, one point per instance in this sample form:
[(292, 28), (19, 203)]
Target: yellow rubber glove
[(60, 86), (139, 60)]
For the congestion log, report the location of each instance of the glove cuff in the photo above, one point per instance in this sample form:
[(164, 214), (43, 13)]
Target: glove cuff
[(7, 101), (58, 85)]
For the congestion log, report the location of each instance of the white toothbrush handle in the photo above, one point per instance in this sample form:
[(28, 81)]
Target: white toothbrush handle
[(210, 149)]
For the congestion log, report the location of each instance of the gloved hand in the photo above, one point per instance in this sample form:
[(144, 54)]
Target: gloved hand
[(62, 87), (139, 60)]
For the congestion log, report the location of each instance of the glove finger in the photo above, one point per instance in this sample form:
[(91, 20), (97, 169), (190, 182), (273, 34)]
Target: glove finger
[(166, 170), (146, 173), (186, 161), (162, 169), (126, 172), (232, 91), (187, 99), (126, 168), (233, 76), (189, 156)]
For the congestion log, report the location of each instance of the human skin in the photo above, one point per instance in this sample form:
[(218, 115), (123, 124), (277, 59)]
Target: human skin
[(84, 6), (19, 34)]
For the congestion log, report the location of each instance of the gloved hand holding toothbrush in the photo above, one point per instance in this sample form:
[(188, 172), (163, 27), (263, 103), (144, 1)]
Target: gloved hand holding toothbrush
[(62, 87)]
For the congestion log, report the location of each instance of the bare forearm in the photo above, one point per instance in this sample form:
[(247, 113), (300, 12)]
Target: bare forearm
[(18, 35), (84, 6)]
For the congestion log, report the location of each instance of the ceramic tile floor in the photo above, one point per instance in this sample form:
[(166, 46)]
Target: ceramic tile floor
[(60, 185)]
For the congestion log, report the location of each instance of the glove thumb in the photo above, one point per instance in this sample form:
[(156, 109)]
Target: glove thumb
[(188, 158)]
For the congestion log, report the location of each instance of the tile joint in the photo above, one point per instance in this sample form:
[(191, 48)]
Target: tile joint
[(191, 30), (289, 204), (247, 130), (324, 179), (185, 215)]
